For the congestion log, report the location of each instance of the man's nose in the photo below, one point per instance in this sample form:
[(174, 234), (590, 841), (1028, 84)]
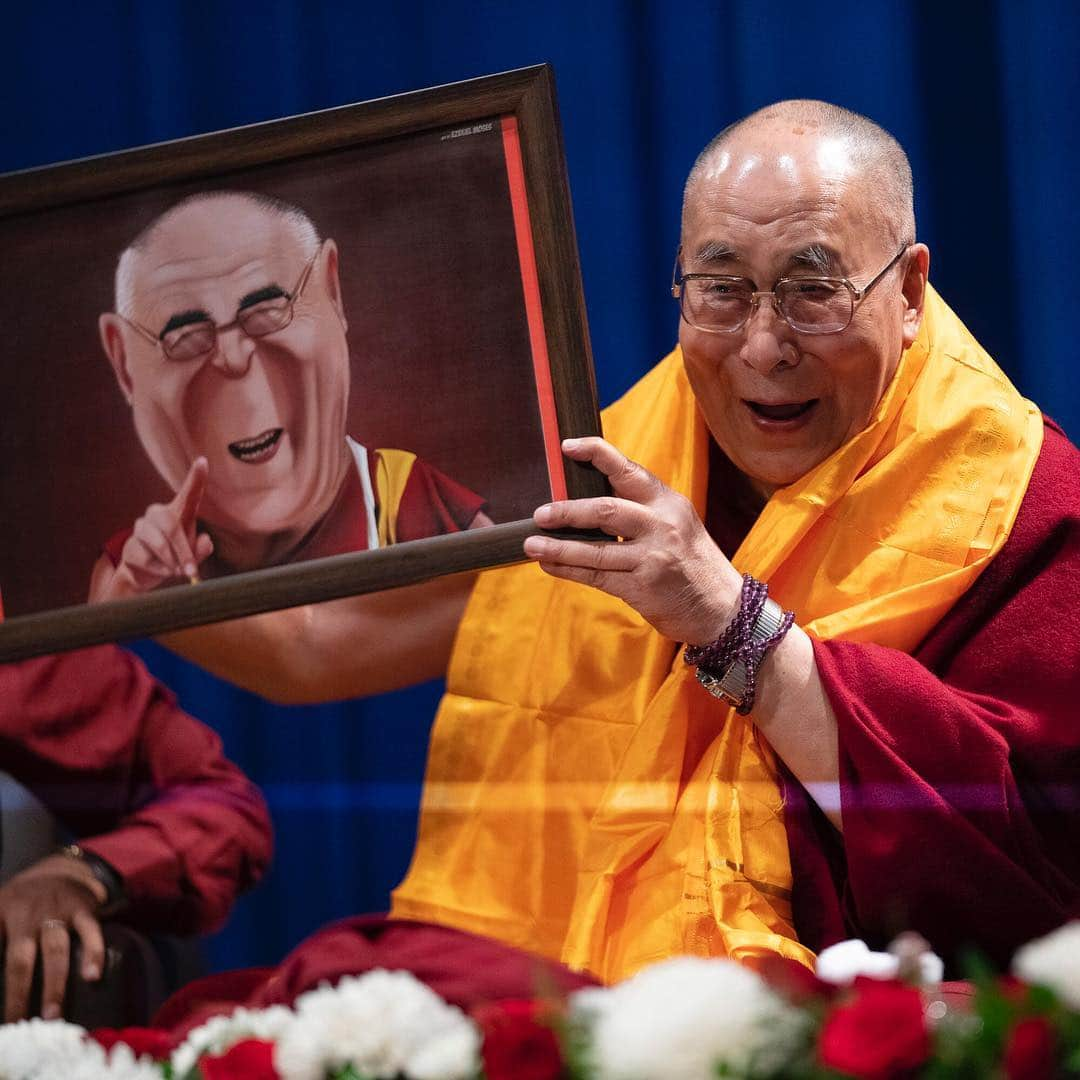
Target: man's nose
[(768, 338), (233, 353)]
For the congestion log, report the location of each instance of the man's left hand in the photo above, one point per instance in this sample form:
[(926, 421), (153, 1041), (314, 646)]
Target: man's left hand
[(666, 566)]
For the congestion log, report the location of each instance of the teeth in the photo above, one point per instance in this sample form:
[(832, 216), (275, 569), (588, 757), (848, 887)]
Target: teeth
[(259, 442)]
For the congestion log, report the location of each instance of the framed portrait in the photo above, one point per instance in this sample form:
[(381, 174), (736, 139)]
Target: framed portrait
[(310, 358)]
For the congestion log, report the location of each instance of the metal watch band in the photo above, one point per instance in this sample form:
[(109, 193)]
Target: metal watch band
[(730, 686)]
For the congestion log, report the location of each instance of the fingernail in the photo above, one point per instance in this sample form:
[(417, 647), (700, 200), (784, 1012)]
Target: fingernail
[(50, 1011), (571, 444), (542, 514), (91, 972), (536, 547)]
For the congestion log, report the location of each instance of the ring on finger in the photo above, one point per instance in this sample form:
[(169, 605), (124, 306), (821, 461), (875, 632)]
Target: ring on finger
[(53, 924)]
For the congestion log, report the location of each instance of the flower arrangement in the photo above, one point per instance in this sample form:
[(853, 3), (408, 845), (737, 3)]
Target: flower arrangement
[(863, 1014)]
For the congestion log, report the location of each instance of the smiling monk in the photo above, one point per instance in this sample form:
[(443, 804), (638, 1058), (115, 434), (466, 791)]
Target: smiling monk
[(826, 683), (229, 344)]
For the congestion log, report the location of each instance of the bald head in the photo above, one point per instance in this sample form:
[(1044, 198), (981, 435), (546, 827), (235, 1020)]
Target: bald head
[(202, 213), (840, 140)]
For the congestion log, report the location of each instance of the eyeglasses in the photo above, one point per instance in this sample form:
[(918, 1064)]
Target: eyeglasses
[(197, 339), (719, 304)]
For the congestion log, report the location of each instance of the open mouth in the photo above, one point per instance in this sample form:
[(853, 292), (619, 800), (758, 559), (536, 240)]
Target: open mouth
[(781, 413), (258, 449)]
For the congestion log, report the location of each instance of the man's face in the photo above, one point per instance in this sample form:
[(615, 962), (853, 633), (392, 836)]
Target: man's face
[(268, 413), (777, 203)]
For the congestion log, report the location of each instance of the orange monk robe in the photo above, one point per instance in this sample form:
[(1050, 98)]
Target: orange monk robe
[(585, 798)]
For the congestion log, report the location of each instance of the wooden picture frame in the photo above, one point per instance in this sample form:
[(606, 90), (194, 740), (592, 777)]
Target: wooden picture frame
[(445, 204)]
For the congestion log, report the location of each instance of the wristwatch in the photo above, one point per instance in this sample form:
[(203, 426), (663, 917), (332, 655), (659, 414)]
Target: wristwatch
[(730, 686), (115, 896)]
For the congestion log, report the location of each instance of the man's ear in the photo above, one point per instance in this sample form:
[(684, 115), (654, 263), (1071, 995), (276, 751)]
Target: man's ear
[(328, 266), (914, 289), (111, 330)]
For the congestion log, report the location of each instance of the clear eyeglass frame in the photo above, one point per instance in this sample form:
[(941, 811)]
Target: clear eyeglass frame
[(199, 339), (784, 294)]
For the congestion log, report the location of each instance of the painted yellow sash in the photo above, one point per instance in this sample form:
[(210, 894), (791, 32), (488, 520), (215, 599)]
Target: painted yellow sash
[(585, 798), (392, 469)]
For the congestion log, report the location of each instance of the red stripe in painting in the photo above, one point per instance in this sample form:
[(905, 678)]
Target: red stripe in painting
[(533, 312)]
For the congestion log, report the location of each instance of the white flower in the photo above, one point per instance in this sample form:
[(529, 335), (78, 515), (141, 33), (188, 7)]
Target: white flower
[(221, 1032), (1053, 961), (119, 1064), (383, 1023), (40, 1049), (452, 1055), (839, 964), (680, 1019), (56, 1050)]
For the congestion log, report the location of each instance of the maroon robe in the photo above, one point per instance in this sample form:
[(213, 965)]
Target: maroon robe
[(960, 764), (464, 969)]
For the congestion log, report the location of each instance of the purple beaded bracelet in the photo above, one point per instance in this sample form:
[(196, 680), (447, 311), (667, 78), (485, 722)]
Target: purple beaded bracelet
[(737, 642)]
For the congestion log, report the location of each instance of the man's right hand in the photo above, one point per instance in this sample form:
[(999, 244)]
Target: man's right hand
[(164, 545), (39, 908)]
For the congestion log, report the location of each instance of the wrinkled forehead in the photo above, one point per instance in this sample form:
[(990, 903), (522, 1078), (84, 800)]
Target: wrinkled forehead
[(209, 242), (776, 190)]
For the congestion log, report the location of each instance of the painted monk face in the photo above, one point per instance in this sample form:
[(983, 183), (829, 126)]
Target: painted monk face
[(779, 203), (267, 412)]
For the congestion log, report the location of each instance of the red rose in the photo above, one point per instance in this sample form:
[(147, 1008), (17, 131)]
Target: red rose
[(250, 1059), (1029, 1053), (519, 1043), (152, 1041), (880, 1033)]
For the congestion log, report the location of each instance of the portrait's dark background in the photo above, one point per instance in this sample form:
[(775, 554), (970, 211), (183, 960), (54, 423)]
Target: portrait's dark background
[(982, 95), (427, 345)]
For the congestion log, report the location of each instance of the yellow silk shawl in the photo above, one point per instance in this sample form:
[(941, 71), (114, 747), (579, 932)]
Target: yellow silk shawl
[(585, 798)]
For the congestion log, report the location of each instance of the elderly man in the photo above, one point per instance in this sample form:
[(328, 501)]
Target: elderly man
[(641, 754), (228, 342), (909, 757)]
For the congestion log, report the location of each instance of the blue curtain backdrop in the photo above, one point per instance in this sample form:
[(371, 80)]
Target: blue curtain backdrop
[(982, 95)]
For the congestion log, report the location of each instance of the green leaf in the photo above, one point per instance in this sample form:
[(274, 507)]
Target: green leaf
[(347, 1072), (1041, 999), (1072, 1060)]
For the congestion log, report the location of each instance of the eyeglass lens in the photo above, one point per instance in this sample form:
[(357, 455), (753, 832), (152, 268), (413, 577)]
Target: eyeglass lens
[(812, 305), (199, 338)]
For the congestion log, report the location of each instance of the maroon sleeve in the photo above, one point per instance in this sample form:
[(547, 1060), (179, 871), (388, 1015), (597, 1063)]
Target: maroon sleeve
[(960, 765), (147, 787), (432, 504)]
